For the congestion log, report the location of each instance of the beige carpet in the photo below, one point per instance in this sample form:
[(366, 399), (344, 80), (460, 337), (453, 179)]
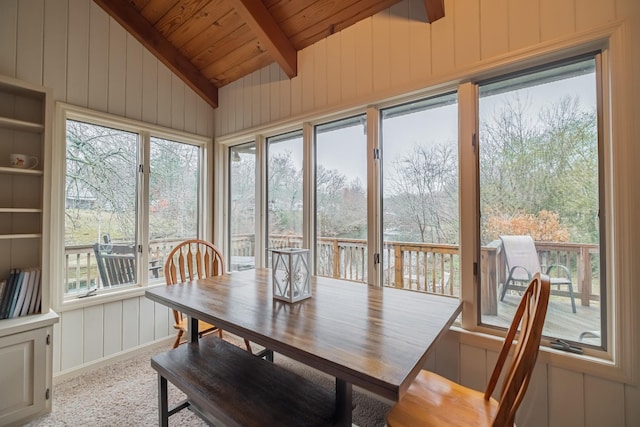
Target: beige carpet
[(125, 394)]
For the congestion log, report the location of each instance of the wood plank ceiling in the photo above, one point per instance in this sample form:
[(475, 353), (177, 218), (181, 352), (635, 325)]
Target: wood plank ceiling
[(210, 43)]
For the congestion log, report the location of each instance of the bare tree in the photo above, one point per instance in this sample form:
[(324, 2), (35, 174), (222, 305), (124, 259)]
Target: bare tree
[(424, 192)]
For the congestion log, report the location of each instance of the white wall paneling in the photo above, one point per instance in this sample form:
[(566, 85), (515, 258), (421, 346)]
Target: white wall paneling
[(161, 322), (442, 42), (147, 321), (399, 32), (8, 34), (93, 333), (523, 22), (117, 69), (72, 339), (473, 367), (553, 18), (494, 30), (364, 57), (467, 32), (566, 398), (190, 110), (177, 103), (447, 358), (112, 327), (149, 87), (381, 39), (133, 89), (78, 52), (130, 323), (55, 47), (603, 402), (98, 59), (164, 95), (591, 13), (29, 40)]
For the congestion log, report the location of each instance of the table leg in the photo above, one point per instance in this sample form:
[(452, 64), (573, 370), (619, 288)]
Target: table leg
[(163, 404), (193, 329), (343, 403)]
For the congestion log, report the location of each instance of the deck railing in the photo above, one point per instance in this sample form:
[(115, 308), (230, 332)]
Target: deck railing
[(81, 268), (424, 267)]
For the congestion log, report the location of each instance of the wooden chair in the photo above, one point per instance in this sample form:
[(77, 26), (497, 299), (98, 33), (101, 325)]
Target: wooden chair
[(522, 263), (116, 264), (432, 400), (188, 261)]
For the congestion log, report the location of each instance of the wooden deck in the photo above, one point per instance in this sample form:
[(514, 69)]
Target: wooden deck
[(561, 322)]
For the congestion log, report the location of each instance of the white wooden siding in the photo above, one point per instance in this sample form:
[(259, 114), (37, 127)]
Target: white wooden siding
[(395, 52), (88, 59), (93, 334)]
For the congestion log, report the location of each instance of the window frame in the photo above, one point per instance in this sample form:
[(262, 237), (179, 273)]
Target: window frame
[(145, 132), (614, 120), (602, 251)]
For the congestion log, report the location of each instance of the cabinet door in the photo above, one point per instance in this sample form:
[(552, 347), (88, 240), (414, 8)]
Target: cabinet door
[(23, 375)]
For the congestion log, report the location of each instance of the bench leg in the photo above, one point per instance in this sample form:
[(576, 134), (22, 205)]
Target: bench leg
[(343, 403), (163, 404), (193, 329)]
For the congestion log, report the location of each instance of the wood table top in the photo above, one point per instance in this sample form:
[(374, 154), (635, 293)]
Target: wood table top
[(377, 338)]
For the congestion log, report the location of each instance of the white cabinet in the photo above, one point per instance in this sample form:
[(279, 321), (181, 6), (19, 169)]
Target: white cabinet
[(25, 372), (25, 341)]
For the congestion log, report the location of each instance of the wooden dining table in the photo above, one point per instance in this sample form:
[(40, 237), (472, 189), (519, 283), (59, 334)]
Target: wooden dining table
[(376, 338)]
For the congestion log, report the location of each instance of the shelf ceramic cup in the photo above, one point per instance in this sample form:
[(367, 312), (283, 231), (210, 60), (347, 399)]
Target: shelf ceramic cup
[(22, 161)]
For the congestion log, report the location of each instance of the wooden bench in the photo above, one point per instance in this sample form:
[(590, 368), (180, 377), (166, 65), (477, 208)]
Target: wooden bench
[(227, 385)]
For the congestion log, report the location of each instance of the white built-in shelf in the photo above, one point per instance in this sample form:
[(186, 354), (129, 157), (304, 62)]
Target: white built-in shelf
[(18, 171), (6, 122), (20, 236)]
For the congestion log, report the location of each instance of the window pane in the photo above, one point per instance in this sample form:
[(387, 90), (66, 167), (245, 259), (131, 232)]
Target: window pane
[(100, 205), (242, 202), (284, 192), (420, 196), (173, 198), (341, 199), (539, 182)]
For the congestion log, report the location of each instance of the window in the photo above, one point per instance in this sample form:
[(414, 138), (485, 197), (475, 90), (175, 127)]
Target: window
[(532, 143), (539, 182), (341, 199), (131, 192), (284, 192), (242, 201), (420, 212)]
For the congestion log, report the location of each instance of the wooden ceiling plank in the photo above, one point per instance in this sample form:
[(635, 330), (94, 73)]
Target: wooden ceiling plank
[(281, 11), (232, 59), (207, 19), (180, 14), (434, 9), (215, 33), (127, 16), (155, 9), (270, 34), (222, 47)]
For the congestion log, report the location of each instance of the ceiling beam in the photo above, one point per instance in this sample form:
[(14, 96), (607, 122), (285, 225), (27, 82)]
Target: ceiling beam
[(434, 9), (262, 23), (132, 21)]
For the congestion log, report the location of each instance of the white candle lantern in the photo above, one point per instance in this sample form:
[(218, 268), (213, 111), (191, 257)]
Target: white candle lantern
[(290, 269)]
